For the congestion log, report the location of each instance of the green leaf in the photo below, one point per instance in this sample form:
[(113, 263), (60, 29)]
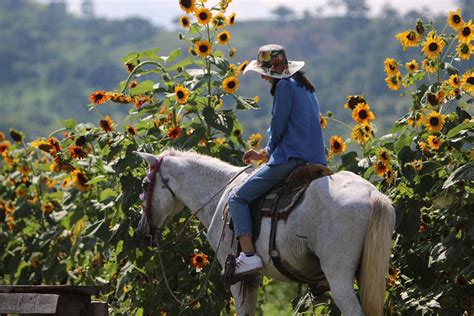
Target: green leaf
[(172, 56), (185, 62), (463, 173), (107, 193), (459, 128), (245, 103), (69, 123), (97, 179), (142, 88), (220, 122)]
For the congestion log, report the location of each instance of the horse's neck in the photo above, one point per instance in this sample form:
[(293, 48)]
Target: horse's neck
[(198, 181)]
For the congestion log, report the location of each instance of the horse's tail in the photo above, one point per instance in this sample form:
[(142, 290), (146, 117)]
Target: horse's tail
[(376, 257)]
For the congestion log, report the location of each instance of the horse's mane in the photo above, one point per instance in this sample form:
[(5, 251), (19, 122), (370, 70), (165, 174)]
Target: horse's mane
[(216, 163)]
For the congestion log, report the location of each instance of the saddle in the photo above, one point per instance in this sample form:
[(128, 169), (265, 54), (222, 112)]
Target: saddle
[(278, 204)]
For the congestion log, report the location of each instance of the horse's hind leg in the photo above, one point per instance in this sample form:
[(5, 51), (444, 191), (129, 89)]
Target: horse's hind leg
[(341, 282), (245, 296)]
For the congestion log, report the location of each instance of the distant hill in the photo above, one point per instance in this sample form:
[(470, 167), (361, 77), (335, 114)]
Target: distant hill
[(51, 61)]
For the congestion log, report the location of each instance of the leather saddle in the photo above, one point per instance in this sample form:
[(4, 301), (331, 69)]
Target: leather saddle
[(278, 204)]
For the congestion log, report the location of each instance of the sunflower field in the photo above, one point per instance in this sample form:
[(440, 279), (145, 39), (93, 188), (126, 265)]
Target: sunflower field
[(69, 202)]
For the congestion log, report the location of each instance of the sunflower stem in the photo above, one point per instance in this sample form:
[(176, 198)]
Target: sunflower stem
[(342, 123), (62, 129), (132, 73)]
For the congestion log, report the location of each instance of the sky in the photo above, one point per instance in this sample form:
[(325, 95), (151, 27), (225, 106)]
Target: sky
[(162, 12)]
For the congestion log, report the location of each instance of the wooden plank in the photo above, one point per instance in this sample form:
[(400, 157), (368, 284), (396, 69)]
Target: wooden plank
[(99, 309), (28, 303), (56, 289)]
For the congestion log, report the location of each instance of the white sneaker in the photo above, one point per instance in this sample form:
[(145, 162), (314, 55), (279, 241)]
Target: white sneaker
[(246, 265)]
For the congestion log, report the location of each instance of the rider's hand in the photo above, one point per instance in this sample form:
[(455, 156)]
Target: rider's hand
[(252, 155)]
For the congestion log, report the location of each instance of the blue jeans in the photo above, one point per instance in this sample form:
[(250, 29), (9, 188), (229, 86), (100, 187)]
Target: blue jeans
[(254, 187)]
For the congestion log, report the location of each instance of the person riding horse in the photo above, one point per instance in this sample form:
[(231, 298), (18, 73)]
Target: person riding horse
[(295, 138)]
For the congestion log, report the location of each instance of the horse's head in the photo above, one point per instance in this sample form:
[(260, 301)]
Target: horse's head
[(160, 200)]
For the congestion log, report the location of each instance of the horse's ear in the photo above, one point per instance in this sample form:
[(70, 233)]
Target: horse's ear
[(151, 159)]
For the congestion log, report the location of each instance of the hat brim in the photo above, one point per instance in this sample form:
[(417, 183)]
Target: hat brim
[(293, 67)]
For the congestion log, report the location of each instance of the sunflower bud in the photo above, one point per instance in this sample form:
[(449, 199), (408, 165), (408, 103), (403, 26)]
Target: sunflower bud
[(181, 36), (179, 69), (16, 136), (329, 114), (419, 27), (166, 77), (81, 140)]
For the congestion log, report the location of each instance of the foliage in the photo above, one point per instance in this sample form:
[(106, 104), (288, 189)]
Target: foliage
[(68, 206)]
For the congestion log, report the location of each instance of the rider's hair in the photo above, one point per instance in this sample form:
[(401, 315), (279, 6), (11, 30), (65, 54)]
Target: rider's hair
[(300, 78)]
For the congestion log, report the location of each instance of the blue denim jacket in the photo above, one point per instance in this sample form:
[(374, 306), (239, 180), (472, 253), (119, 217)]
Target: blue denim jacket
[(295, 130)]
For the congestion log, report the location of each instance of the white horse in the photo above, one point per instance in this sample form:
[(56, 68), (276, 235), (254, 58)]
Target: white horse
[(342, 219)]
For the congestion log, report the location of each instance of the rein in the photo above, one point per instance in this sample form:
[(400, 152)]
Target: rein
[(154, 169)]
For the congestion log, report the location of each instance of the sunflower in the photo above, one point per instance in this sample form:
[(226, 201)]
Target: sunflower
[(11, 223), (255, 140), (455, 19), (47, 208), (434, 122), (429, 66), (383, 155), (417, 165), (203, 16), (107, 124), (199, 261), (391, 67), (231, 19), (77, 152), (337, 145), (466, 32), (80, 180), (467, 82), (182, 94), (230, 84), (184, 20), (434, 142), (433, 45), (192, 51), (232, 52), (394, 82), (66, 182), (219, 20), (2, 136), (380, 167), (20, 192), (389, 175), (25, 170), (412, 66), (131, 130), (465, 50), (139, 100), (455, 92), (187, 6), (175, 132), (99, 97), (454, 81), (203, 48), (240, 69), (223, 37), (353, 101), (359, 134), (4, 146), (408, 39), (256, 99), (440, 96), (393, 276), (323, 121), (362, 113)]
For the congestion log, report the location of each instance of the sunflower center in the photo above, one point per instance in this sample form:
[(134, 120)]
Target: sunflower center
[(466, 31), (456, 19), (384, 156), (434, 121), (199, 259), (363, 114), (470, 80), (231, 84), (456, 80), (412, 66), (185, 21), (186, 3), (411, 36), (337, 146), (232, 19), (464, 49), (433, 47), (98, 96), (180, 94), (242, 68), (203, 16), (223, 37), (82, 178), (392, 67), (203, 48)]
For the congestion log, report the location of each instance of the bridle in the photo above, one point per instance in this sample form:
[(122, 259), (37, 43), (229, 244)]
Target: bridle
[(151, 177)]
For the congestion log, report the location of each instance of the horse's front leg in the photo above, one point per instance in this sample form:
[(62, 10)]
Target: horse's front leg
[(245, 296)]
